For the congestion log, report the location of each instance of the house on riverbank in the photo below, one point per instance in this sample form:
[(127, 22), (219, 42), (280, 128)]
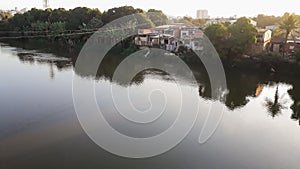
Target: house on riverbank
[(170, 37), (264, 37)]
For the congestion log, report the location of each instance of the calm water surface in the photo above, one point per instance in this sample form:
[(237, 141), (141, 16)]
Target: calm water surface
[(39, 128)]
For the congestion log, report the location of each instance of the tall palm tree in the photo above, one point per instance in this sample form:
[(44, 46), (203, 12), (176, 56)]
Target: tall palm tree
[(288, 24)]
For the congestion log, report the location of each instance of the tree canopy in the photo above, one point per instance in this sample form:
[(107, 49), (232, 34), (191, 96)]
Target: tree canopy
[(218, 35), (242, 35), (119, 12), (157, 17), (74, 19), (265, 20), (232, 39), (288, 23), (191, 21)]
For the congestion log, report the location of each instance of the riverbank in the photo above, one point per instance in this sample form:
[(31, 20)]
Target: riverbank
[(267, 63)]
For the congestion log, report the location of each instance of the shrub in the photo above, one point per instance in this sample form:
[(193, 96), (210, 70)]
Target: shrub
[(297, 54)]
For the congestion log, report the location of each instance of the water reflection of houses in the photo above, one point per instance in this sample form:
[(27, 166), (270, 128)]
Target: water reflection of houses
[(170, 37)]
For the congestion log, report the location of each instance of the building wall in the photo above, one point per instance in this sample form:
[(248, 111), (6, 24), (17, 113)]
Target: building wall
[(202, 14), (144, 31), (254, 23)]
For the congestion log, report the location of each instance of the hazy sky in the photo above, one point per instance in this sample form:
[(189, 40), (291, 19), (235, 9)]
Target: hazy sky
[(216, 8)]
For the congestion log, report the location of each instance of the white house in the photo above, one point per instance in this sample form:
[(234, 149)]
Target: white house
[(254, 23), (264, 37), (202, 14)]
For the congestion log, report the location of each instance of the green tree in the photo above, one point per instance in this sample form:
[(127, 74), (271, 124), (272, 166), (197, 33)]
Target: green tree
[(57, 27), (80, 16), (288, 23), (242, 36), (119, 12), (232, 39), (18, 23), (265, 20), (40, 26), (58, 15), (23, 22), (95, 23), (157, 17), (218, 35), (73, 19), (199, 22)]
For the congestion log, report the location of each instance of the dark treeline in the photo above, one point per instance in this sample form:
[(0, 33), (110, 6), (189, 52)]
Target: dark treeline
[(79, 18)]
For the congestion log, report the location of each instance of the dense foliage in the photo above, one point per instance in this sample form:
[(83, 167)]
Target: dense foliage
[(157, 17), (4, 16), (73, 19), (288, 23), (54, 20), (232, 39), (190, 21), (218, 35)]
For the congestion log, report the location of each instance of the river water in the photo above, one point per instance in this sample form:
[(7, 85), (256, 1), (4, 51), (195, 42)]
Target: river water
[(39, 126)]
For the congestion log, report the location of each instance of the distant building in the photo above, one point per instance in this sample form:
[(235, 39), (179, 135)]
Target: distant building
[(296, 35), (46, 4), (15, 11), (144, 31), (272, 27), (220, 20), (254, 23), (202, 14), (227, 20)]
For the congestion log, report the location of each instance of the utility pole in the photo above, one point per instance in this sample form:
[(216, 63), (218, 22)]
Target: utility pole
[(46, 4)]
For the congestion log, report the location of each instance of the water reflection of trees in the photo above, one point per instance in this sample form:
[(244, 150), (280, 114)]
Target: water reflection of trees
[(27, 52), (240, 84), (274, 106), (295, 95), (33, 58)]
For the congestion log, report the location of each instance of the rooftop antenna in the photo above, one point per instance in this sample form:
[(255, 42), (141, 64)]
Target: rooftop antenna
[(46, 4)]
